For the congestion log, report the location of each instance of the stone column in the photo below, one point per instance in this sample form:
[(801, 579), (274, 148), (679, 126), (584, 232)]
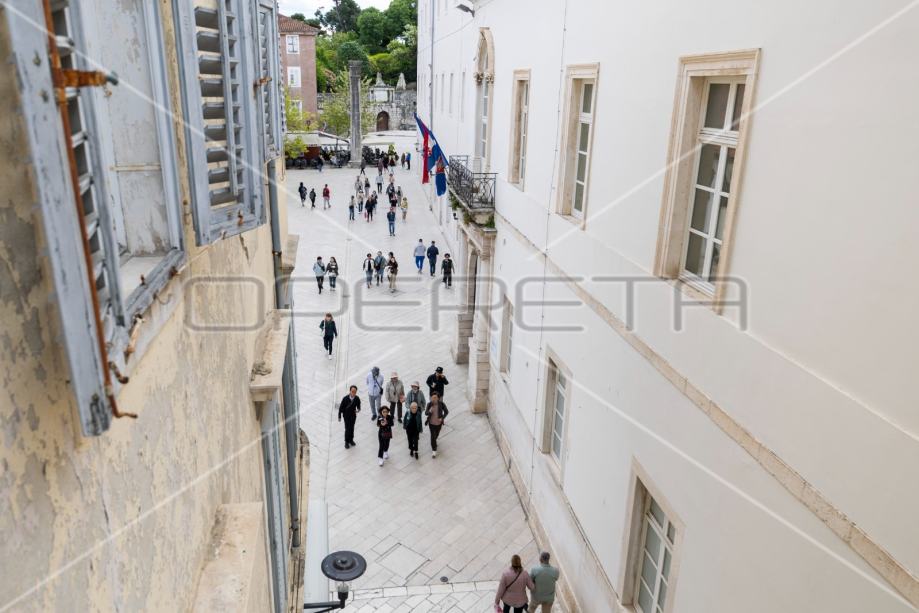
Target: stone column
[(479, 366), (464, 316), (354, 69)]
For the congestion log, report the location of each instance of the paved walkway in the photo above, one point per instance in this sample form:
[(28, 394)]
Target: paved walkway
[(436, 533)]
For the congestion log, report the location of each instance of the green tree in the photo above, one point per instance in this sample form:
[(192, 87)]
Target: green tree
[(342, 17), (352, 51), (299, 17), (401, 13), (374, 30), (336, 112)]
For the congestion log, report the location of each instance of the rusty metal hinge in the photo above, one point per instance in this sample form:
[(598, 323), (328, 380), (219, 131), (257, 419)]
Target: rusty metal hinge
[(68, 77)]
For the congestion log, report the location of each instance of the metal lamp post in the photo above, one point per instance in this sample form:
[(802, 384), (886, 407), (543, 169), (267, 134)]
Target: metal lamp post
[(341, 567)]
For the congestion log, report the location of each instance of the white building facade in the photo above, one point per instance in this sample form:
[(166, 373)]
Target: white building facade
[(689, 307)]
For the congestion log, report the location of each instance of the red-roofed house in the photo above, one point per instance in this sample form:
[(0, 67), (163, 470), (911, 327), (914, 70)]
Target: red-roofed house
[(298, 61)]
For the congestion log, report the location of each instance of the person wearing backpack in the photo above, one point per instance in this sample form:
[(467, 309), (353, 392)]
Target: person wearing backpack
[(379, 265), (349, 407), (302, 191), (512, 588)]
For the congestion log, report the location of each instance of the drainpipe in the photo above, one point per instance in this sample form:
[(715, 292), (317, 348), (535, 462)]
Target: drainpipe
[(288, 379)]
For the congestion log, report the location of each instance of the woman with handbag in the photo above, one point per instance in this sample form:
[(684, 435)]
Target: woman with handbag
[(384, 434), (512, 588)]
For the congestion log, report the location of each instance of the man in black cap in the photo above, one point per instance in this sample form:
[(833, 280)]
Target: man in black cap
[(436, 382)]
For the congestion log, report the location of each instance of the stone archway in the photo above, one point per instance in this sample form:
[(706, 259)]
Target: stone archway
[(382, 121)]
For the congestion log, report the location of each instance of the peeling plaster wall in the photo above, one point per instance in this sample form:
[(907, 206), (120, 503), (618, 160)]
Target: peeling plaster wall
[(122, 521)]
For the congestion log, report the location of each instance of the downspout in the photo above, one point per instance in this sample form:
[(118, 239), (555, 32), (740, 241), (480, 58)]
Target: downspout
[(288, 381)]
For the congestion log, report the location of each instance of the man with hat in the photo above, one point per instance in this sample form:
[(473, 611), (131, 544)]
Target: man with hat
[(395, 395), (437, 381), (416, 395)]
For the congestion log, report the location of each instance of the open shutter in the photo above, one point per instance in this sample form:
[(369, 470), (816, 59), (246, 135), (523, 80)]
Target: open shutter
[(220, 130), (269, 69), (64, 224)]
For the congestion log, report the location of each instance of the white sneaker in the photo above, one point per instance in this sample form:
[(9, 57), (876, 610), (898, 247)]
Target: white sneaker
[(385, 455), (330, 356), (433, 454), (380, 461)]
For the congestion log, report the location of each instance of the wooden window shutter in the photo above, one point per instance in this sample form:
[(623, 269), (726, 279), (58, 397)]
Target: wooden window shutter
[(221, 134)]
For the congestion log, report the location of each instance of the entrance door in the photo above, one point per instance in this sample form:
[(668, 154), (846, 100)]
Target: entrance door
[(274, 503), (382, 121)]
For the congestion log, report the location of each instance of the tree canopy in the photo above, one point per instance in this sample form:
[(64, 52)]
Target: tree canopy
[(385, 41)]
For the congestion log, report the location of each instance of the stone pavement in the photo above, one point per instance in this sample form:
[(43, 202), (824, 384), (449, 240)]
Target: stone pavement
[(436, 533)]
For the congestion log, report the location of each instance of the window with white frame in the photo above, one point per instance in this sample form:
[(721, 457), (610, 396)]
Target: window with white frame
[(577, 137), (557, 401), (651, 566), (293, 44), (293, 76), (507, 329), (716, 147), (482, 140), (297, 104), (519, 134), (706, 154)]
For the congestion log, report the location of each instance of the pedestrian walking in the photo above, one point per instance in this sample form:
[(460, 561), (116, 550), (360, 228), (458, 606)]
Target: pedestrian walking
[(391, 218), (360, 202), (402, 161), (379, 265), (384, 434), (413, 426), (312, 198), (326, 196), (385, 162), (447, 268), (432, 254), (374, 390), (370, 206), (366, 184), (403, 204), (329, 332), (348, 408), (363, 166), (380, 164), (319, 271), (380, 182), (302, 192), (395, 395), (544, 577), (320, 163), (436, 415), (392, 269), (419, 255), (512, 588), (408, 160), (358, 185), (332, 270), (351, 209), (368, 268), (437, 381), (415, 395)]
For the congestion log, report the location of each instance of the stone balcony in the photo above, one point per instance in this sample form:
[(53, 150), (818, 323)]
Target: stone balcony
[(474, 190)]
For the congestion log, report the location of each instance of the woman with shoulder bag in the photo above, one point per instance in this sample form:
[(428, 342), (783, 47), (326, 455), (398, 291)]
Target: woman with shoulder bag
[(384, 434), (512, 589)]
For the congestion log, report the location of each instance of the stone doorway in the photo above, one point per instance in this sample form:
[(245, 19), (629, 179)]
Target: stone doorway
[(382, 121)]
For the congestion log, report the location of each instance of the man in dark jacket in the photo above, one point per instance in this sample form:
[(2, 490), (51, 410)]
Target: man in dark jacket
[(379, 264), (329, 332), (433, 252), (302, 191), (436, 415), (436, 382), (446, 266), (349, 408), (413, 427)]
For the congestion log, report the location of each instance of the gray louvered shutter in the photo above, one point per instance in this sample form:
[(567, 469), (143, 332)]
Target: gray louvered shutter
[(221, 133), (269, 69), (59, 214)]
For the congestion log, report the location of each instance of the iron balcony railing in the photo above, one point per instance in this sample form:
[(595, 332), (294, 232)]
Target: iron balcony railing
[(476, 190)]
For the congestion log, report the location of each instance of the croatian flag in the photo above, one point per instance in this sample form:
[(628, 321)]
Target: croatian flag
[(433, 160)]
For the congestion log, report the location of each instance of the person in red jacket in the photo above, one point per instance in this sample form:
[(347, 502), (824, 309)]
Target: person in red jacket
[(326, 195)]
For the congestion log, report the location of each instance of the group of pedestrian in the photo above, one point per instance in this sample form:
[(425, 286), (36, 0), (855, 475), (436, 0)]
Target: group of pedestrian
[(515, 581), (311, 194), (431, 252), (410, 410), (375, 267)]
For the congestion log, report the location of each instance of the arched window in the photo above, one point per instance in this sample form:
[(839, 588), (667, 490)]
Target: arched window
[(484, 77)]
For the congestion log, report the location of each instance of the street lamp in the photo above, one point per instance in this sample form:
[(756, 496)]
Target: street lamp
[(341, 567)]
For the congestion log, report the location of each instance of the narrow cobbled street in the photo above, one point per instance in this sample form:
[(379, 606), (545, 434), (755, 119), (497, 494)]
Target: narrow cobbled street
[(436, 532)]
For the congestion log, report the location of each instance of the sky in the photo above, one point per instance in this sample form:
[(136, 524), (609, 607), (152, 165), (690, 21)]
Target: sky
[(308, 7)]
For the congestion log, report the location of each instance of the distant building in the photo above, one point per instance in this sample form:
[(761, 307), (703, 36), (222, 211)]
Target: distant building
[(298, 61), (395, 105)]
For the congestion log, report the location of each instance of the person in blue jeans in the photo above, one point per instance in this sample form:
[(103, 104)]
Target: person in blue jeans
[(391, 218), (433, 252), (419, 255)]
